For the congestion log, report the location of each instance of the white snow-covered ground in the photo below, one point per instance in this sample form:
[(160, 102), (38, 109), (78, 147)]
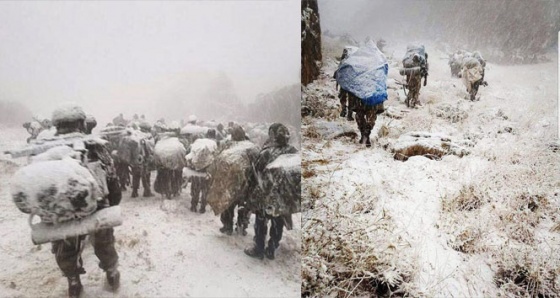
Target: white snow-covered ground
[(508, 129), (165, 250)]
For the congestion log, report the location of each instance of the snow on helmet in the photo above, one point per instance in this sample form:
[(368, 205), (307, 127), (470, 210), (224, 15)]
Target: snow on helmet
[(68, 113)]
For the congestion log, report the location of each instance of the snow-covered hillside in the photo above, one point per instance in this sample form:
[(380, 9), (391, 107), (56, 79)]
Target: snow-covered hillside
[(165, 250), (481, 225)]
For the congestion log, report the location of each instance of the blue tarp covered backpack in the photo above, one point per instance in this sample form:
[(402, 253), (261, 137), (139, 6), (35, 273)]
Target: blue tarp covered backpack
[(364, 74)]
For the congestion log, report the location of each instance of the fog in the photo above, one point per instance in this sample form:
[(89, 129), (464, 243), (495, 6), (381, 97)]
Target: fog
[(161, 59), (508, 31)]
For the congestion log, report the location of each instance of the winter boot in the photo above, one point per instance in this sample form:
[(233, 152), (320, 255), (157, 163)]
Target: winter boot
[(226, 230), (349, 117), (368, 142), (241, 231), (269, 253), (380, 109), (363, 138), (193, 208), (147, 193), (113, 279), (134, 193), (202, 209), (343, 112), (74, 286), (254, 253)]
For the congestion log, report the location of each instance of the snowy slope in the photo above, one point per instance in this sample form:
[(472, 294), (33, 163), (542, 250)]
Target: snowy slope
[(417, 234), (165, 251)]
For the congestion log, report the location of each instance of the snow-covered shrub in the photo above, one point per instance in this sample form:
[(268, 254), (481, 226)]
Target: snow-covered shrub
[(354, 249), (522, 271), (467, 199)]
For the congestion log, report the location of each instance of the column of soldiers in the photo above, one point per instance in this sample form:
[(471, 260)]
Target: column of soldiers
[(68, 251), (469, 67)]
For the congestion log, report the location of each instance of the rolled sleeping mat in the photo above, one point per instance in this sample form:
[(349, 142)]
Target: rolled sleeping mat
[(410, 71), (102, 219)]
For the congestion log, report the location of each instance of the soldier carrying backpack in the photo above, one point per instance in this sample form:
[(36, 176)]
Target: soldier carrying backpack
[(72, 183)]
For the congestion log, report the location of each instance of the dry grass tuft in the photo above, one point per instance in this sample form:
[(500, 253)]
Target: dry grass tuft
[(353, 250), (467, 199), (524, 272)]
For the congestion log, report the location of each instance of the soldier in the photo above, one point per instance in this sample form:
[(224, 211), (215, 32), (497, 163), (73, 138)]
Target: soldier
[(473, 74), (34, 128), (276, 145), (200, 186), (143, 172), (220, 132), (243, 214), (414, 78), (119, 120), (381, 43), (192, 119), (456, 62), (68, 251), (346, 102), (91, 123), (365, 118)]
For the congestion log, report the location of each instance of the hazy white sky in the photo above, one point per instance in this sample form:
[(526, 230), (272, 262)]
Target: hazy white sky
[(121, 54)]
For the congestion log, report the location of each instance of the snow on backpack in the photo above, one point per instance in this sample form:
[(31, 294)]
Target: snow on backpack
[(364, 74), (282, 185), (231, 172), (202, 154), (472, 71), (58, 187), (412, 51), (169, 153)]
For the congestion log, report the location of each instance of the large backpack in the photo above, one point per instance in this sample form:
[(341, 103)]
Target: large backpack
[(59, 185), (415, 50)]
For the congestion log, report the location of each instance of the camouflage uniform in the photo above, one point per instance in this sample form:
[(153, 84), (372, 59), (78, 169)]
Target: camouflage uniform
[(123, 173), (243, 213), (344, 95), (413, 82), (200, 186), (34, 129), (68, 251), (168, 182), (346, 103), (365, 118), (476, 84), (276, 145), (143, 171)]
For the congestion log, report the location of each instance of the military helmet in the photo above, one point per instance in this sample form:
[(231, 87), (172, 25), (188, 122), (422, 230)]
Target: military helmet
[(145, 126), (279, 133), (69, 118), (68, 113), (237, 133)]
